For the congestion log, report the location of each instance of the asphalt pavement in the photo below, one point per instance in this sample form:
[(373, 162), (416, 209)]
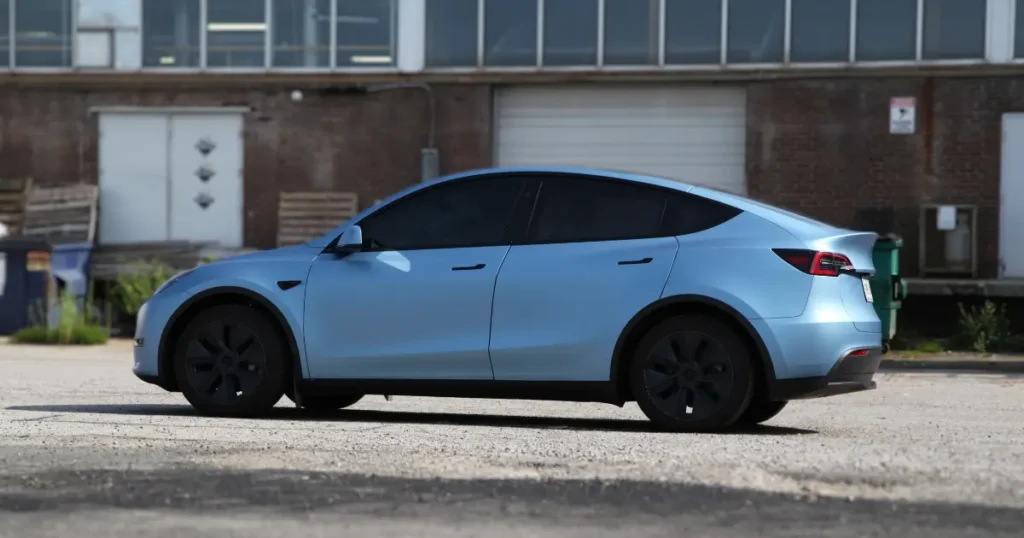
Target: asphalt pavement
[(86, 450)]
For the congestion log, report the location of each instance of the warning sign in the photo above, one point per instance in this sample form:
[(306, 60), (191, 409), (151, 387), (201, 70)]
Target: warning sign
[(38, 261), (902, 115)]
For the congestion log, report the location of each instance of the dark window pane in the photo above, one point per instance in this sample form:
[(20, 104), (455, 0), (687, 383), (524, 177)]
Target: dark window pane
[(757, 31), (43, 37), (631, 32), (570, 32), (886, 30), (452, 33), (693, 31), (470, 213), (1018, 47), (301, 33), (689, 214), (235, 33), (821, 31), (170, 33), (578, 209), (366, 33), (954, 29), (5, 33), (510, 32)]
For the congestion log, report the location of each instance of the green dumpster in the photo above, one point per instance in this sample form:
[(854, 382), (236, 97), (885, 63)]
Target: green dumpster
[(887, 287)]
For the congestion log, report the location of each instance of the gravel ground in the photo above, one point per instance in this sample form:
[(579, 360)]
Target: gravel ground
[(87, 450)]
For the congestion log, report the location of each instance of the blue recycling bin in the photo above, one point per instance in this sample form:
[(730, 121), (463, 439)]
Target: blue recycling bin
[(70, 268), (24, 283)]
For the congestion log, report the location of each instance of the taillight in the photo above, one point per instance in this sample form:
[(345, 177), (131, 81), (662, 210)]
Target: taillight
[(815, 263)]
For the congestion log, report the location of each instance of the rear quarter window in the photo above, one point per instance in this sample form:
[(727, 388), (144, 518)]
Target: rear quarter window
[(689, 214)]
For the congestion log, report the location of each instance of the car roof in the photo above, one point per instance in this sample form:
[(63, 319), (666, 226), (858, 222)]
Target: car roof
[(573, 170)]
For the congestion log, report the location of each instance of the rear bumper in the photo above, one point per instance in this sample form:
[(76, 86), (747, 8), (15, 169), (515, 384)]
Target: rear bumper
[(850, 374)]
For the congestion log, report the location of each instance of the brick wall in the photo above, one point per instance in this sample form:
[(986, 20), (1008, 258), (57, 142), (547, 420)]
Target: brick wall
[(368, 143), (823, 148)]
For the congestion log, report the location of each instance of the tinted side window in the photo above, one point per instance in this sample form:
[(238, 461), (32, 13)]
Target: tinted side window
[(572, 209), (688, 214), (468, 213)]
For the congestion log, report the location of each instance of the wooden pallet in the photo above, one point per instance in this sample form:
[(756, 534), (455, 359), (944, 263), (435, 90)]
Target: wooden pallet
[(109, 261), (303, 216), (13, 195), (62, 214)]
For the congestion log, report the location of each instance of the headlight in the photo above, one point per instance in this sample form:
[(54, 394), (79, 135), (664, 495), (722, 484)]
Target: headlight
[(167, 283)]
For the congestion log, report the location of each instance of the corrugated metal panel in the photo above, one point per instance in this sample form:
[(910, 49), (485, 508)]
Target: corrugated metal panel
[(691, 134)]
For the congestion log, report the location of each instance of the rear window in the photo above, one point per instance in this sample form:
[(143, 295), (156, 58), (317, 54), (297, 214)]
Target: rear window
[(689, 214)]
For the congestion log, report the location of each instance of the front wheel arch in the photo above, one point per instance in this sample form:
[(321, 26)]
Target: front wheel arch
[(676, 305), (208, 299)]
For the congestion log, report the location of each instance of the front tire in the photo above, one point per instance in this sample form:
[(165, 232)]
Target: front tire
[(692, 373), (230, 361)]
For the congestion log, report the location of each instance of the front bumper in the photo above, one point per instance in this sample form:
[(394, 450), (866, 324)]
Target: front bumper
[(852, 373)]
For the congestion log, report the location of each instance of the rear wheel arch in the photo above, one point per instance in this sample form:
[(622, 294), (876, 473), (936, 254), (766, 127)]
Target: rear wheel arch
[(208, 299), (677, 305)]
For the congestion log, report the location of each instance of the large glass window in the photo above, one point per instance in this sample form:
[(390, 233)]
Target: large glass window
[(631, 32), (510, 32), (469, 213), (954, 29), (301, 33), (170, 33), (43, 33), (570, 32), (578, 209), (5, 33), (757, 31), (236, 33), (366, 32), (820, 31), (452, 33), (693, 31), (886, 30)]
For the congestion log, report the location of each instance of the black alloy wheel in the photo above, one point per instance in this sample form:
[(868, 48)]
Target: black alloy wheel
[(231, 362), (692, 373), (225, 361)]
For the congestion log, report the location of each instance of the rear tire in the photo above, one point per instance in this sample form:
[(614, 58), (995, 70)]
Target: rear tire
[(328, 403), (760, 412), (230, 361), (692, 373)]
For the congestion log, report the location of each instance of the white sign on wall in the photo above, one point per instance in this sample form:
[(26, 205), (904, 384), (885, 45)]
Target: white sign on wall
[(902, 115)]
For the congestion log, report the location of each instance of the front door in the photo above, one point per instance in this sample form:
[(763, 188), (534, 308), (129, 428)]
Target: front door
[(206, 178), (417, 303), (593, 257)]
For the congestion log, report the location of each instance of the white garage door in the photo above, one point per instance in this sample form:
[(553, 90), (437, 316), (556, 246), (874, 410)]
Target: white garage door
[(171, 176), (690, 134)]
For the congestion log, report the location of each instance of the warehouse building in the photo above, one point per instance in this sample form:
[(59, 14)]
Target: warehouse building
[(902, 115)]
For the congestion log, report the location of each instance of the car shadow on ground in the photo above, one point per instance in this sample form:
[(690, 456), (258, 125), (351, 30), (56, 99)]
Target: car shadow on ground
[(403, 417), (444, 507)]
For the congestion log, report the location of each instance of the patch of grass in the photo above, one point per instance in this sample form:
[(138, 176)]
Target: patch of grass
[(136, 287), (983, 329), (74, 327), (82, 335)]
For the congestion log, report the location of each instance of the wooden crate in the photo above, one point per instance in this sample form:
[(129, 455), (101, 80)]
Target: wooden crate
[(62, 214), (303, 216), (13, 195)]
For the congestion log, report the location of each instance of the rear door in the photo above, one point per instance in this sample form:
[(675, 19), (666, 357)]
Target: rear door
[(593, 255)]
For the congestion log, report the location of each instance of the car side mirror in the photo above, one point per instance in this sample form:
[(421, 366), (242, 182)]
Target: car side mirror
[(350, 242)]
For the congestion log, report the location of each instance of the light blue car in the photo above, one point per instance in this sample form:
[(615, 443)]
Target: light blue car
[(708, 309)]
